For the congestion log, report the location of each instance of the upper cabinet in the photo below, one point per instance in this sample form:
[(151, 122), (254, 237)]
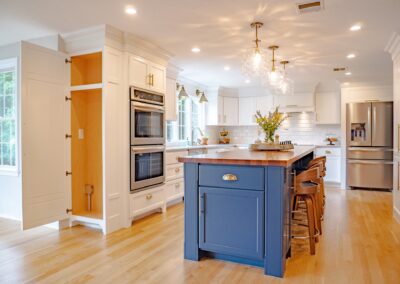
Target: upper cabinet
[(170, 100), (295, 103), (327, 107), (146, 74), (250, 105), (222, 110)]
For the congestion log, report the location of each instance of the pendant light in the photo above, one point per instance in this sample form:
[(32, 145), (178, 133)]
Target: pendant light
[(182, 93), (285, 85), (273, 75), (254, 64)]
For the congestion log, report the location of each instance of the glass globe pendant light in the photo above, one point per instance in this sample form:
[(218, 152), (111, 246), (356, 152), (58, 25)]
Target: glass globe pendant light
[(254, 64), (286, 85), (274, 74)]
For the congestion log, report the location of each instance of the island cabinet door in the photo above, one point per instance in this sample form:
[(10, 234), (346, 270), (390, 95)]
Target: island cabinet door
[(232, 222)]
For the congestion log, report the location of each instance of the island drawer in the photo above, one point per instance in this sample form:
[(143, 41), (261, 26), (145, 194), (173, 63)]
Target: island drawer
[(235, 177)]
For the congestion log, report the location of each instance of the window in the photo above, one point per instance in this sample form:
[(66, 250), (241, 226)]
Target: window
[(8, 115), (190, 115)]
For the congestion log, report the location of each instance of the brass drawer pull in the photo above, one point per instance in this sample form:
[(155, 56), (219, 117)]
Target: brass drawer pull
[(149, 196), (328, 152), (229, 177)]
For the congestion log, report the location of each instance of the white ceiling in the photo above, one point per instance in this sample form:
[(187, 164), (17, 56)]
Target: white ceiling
[(315, 42)]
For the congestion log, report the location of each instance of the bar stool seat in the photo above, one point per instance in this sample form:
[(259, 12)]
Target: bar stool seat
[(306, 190)]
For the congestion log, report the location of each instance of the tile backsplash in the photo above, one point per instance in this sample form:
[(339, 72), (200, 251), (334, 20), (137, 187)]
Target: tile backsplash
[(300, 128)]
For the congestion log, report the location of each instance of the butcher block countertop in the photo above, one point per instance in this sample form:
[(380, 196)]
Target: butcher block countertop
[(252, 158)]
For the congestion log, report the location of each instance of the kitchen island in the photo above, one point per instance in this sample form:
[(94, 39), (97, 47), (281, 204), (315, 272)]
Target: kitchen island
[(237, 206)]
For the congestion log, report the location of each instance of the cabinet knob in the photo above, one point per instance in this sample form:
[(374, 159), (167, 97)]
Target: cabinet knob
[(229, 177), (328, 152), (149, 196), (177, 185), (177, 170)]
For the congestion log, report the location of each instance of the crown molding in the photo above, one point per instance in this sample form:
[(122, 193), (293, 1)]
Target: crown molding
[(393, 46), (173, 70)]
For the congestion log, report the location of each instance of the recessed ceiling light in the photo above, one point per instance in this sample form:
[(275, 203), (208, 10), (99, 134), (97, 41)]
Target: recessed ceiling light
[(195, 49), (351, 55), (130, 10), (227, 68), (247, 81), (355, 28), (347, 73)]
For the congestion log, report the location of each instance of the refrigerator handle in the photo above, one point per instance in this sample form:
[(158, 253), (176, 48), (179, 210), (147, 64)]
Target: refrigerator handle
[(373, 118), (369, 128)]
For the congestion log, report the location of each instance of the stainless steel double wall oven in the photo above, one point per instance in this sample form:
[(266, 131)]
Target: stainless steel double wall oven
[(147, 135)]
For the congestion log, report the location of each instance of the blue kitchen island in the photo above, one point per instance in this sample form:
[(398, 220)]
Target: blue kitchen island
[(237, 206)]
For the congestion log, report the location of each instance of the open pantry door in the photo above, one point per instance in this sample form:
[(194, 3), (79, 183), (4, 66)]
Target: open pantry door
[(45, 160)]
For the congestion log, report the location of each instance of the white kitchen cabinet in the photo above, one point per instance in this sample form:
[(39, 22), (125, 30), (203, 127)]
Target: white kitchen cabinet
[(264, 104), (295, 103), (231, 110), (327, 106), (147, 200), (170, 100), (146, 74), (333, 163), (220, 110), (247, 109)]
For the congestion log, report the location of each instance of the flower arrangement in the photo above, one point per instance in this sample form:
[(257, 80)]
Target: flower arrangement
[(270, 123)]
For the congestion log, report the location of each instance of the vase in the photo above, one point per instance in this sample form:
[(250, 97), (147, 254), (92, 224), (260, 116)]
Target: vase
[(269, 136)]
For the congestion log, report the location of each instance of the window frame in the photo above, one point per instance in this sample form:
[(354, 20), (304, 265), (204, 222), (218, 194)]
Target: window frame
[(12, 63)]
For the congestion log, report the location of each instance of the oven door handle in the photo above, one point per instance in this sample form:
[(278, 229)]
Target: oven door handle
[(147, 149), (146, 107)]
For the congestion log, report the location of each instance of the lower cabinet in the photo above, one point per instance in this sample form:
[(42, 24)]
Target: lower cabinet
[(174, 190), (232, 221), (147, 200), (333, 163)]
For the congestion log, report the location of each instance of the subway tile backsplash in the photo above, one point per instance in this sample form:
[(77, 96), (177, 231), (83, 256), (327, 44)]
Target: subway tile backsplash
[(300, 128)]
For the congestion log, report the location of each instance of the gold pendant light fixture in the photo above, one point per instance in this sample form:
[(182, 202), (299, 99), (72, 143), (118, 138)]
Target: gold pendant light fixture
[(286, 84), (273, 75), (254, 64)]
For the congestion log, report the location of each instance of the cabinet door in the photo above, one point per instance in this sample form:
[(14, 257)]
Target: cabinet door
[(138, 72), (231, 109), (232, 221), (46, 189), (157, 75), (247, 111), (327, 108), (220, 110), (264, 104), (332, 169), (170, 100)]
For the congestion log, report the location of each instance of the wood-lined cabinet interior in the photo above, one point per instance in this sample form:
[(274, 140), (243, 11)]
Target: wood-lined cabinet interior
[(86, 136), (86, 153)]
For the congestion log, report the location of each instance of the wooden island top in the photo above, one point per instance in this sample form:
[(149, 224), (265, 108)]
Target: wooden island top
[(252, 158)]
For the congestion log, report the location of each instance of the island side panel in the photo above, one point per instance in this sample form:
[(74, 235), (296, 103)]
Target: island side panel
[(191, 245), (275, 238)]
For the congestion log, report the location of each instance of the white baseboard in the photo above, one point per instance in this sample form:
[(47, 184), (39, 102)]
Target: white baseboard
[(396, 214), (10, 217)]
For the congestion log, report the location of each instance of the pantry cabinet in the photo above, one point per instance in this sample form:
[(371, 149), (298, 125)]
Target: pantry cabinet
[(146, 74)]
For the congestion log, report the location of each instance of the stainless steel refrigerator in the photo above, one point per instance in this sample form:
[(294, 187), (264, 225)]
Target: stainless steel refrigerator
[(369, 139)]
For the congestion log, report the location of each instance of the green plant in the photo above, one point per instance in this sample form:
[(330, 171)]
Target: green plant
[(270, 123)]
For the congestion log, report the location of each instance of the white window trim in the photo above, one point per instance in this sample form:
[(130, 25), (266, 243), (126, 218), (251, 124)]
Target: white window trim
[(9, 170)]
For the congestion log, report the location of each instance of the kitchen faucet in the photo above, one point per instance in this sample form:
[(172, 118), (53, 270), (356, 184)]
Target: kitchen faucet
[(201, 133)]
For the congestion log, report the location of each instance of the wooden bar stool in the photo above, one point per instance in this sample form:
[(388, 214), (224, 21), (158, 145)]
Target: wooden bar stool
[(320, 162), (306, 190)]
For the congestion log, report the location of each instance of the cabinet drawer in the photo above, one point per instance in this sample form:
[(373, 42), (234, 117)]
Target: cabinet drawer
[(236, 177), (172, 157), (327, 151), (174, 189), (144, 201), (174, 171)]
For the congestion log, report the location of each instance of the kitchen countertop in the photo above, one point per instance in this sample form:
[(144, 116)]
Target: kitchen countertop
[(253, 158), (213, 146)]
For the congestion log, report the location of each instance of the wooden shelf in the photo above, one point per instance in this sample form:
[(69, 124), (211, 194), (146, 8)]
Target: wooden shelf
[(87, 214), (86, 87)]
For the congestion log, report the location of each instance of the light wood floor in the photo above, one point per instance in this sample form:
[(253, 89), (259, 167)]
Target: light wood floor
[(361, 244)]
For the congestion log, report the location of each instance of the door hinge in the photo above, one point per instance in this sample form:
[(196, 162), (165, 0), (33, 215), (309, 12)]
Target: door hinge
[(68, 136), (67, 173), (68, 210), (68, 61), (67, 99)]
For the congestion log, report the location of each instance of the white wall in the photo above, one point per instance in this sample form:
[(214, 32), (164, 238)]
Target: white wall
[(359, 94), (10, 185)]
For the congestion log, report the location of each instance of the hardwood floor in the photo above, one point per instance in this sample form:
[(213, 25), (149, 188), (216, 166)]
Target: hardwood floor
[(361, 244)]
